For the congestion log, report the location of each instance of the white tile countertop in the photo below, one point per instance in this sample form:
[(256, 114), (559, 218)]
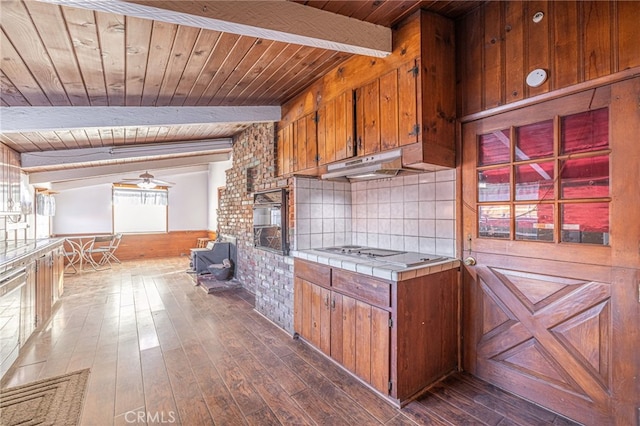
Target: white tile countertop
[(376, 267)]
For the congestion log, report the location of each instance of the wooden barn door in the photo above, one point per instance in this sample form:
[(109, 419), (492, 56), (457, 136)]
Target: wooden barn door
[(551, 305)]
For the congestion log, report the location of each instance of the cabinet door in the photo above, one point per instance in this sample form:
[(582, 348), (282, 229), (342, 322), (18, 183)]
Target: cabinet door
[(300, 144), (28, 305), (409, 103), (312, 315), (344, 126), (368, 118), (58, 274), (335, 129), (43, 289), (389, 110), (305, 143), (320, 319), (360, 340)]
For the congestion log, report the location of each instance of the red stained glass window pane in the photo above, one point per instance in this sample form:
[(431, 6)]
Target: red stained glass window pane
[(585, 177), (586, 223), (534, 222), (493, 185), (494, 148), (494, 221), (534, 181), (534, 141), (587, 131)]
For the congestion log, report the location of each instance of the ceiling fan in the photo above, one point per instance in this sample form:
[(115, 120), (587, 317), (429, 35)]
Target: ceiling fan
[(147, 181)]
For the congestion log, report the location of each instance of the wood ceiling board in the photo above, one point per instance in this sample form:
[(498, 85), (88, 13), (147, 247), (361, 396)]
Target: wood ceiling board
[(195, 66), (137, 41), (25, 39), (18, 142), (11, 96), (56, 39), (223, 48), (163, 35), (246, 95), (237, 53), (28, 119), (183, 46), (239, 72), (389, 13), (111, 30), (81, 25), (19, 75)]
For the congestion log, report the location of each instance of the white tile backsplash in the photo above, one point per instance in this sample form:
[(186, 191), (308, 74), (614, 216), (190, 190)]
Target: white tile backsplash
[(413, 212)]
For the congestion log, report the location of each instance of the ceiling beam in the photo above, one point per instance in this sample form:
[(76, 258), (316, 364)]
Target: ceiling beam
[(37, 119), (62, 157), (118, 169), (165, 174), (277, 20)]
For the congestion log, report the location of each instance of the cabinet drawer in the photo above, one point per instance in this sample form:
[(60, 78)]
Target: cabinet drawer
[(313, 272), (362, 287)]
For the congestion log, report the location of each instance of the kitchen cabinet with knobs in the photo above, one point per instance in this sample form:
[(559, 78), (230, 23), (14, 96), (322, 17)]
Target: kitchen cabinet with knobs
[(406, 100), (396, 336), (297, 145), (335, 129)]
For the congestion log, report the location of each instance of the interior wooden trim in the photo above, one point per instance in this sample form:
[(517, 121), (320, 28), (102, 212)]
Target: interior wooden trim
[(591, 84)]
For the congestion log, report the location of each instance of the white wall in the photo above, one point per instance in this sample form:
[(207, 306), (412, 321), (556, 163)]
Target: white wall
[(83, 211), (217, 178), (87, 210)]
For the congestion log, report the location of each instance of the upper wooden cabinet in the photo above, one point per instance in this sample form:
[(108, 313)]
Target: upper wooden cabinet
[(297, 145), (368, 105), (335, 129), (387, 110)]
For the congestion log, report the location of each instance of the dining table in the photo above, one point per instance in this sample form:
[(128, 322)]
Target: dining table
[(79, 244)]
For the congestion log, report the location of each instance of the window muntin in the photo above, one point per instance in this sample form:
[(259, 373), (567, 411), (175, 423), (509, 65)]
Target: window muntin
[(546, 181)]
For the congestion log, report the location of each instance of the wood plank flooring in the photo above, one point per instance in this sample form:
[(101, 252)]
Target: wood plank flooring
[(163, 351)]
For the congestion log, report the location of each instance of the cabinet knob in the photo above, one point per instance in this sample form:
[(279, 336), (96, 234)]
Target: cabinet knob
[(470, 261), (326, 301)]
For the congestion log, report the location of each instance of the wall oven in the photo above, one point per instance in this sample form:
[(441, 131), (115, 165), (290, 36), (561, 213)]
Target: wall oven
[(270, 220)]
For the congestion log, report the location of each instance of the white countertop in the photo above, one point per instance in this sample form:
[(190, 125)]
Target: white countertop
[(375, 268)]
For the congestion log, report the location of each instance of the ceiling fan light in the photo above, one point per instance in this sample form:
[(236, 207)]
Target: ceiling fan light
[(146, 185)]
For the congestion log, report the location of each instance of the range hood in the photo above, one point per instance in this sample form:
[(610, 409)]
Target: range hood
[(377, 166)]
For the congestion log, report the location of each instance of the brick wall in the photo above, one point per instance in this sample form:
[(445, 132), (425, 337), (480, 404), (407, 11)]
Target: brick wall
[(266, 274)]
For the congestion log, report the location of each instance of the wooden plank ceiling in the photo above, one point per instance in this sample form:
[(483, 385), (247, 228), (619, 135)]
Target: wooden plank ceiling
[(53, 55)]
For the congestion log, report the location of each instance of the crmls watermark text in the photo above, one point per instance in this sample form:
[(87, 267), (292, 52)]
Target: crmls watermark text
[(150, 417)]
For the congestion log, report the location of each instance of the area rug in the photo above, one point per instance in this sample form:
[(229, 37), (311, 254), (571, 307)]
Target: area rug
[(55, 401)]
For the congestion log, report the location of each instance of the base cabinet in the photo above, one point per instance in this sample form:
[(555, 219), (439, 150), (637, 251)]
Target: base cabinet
[(398, 337)]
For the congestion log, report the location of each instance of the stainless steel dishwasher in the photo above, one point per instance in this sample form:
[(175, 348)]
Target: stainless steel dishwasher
[(12, 285)]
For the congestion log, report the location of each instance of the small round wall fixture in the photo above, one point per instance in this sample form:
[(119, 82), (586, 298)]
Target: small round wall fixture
[(538, 17), (536, 77)]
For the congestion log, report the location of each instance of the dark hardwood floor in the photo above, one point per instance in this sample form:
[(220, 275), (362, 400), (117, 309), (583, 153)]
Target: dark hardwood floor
[(163, 351)]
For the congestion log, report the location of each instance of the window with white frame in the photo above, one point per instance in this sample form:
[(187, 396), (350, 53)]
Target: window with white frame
[(138, 210)]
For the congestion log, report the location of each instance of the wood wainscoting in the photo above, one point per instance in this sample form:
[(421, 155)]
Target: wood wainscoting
[(150, 246)]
